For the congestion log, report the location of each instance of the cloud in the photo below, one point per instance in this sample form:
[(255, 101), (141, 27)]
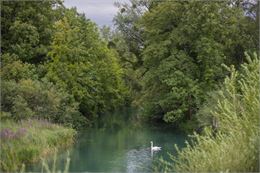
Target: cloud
[(99, 11)]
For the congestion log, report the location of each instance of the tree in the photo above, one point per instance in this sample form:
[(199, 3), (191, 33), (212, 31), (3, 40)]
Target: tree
[(27, 28), (83, 65), (126, 22), (185, 44)]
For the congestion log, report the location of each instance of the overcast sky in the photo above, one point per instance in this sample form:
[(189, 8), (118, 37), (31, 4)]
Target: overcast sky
[(99, 11)]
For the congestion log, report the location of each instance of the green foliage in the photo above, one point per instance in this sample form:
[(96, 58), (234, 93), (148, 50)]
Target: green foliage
[(31, 98), (126, 22), (55, 66), (14, 69), (39, 139), (27, 28), (83, 65), (185, 45), (20, 108), (235, 145), (127, 39), (127, 60)]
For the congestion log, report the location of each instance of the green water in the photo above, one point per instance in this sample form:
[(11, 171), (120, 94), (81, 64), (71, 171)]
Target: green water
[(117, 144)]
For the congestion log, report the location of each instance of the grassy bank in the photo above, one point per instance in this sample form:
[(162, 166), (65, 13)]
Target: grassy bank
[(30, 140)]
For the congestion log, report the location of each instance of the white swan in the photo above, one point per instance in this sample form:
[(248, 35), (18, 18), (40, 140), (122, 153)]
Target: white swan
[(155, 148)]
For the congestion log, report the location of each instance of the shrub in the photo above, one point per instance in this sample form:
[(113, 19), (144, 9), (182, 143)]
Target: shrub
[(39, 99), (231, 143), (14, 69)]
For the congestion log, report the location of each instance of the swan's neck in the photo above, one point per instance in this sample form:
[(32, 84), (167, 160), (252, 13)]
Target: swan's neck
[(151, 145)]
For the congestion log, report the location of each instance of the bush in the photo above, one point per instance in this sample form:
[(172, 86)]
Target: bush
[(14, 69), (25, 94), (231, 143), (40, 99)]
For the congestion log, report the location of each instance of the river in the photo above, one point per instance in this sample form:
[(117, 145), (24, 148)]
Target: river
[(118, 144)]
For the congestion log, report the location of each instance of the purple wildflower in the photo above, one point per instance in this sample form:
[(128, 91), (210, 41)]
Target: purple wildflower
[(7, 134), (20, 133)]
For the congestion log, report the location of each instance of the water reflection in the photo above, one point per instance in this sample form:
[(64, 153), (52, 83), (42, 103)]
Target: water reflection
[(138, 160), (116, 145)]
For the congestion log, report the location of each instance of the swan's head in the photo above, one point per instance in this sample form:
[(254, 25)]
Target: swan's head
[(151, 142)]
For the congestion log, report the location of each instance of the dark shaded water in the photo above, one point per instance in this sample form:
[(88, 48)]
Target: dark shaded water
[(116, 144)]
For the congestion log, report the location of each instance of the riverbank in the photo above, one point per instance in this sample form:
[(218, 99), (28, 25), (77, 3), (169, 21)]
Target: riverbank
[(29, 140), (231, 143)]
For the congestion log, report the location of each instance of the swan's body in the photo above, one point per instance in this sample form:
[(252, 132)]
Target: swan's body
[(154, 148)]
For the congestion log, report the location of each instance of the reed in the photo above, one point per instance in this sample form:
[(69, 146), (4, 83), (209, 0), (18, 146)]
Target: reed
[(29, 140), (232, 146)]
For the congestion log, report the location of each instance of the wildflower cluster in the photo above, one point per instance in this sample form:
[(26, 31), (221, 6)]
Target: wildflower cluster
[(7, 133)]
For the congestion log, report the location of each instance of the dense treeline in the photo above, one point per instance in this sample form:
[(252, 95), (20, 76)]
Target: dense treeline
[(168, 54), (174, 51), (55, 66)]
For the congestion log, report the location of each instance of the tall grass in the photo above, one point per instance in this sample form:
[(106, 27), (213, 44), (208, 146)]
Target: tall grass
[(46, 168), (233, 144), (53, 168), (30, 140)]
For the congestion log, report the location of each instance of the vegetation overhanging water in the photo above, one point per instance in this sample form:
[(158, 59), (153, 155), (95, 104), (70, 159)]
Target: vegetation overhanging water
[(117, 144)]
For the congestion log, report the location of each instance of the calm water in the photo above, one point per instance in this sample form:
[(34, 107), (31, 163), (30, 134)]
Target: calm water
[(116, 144)]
